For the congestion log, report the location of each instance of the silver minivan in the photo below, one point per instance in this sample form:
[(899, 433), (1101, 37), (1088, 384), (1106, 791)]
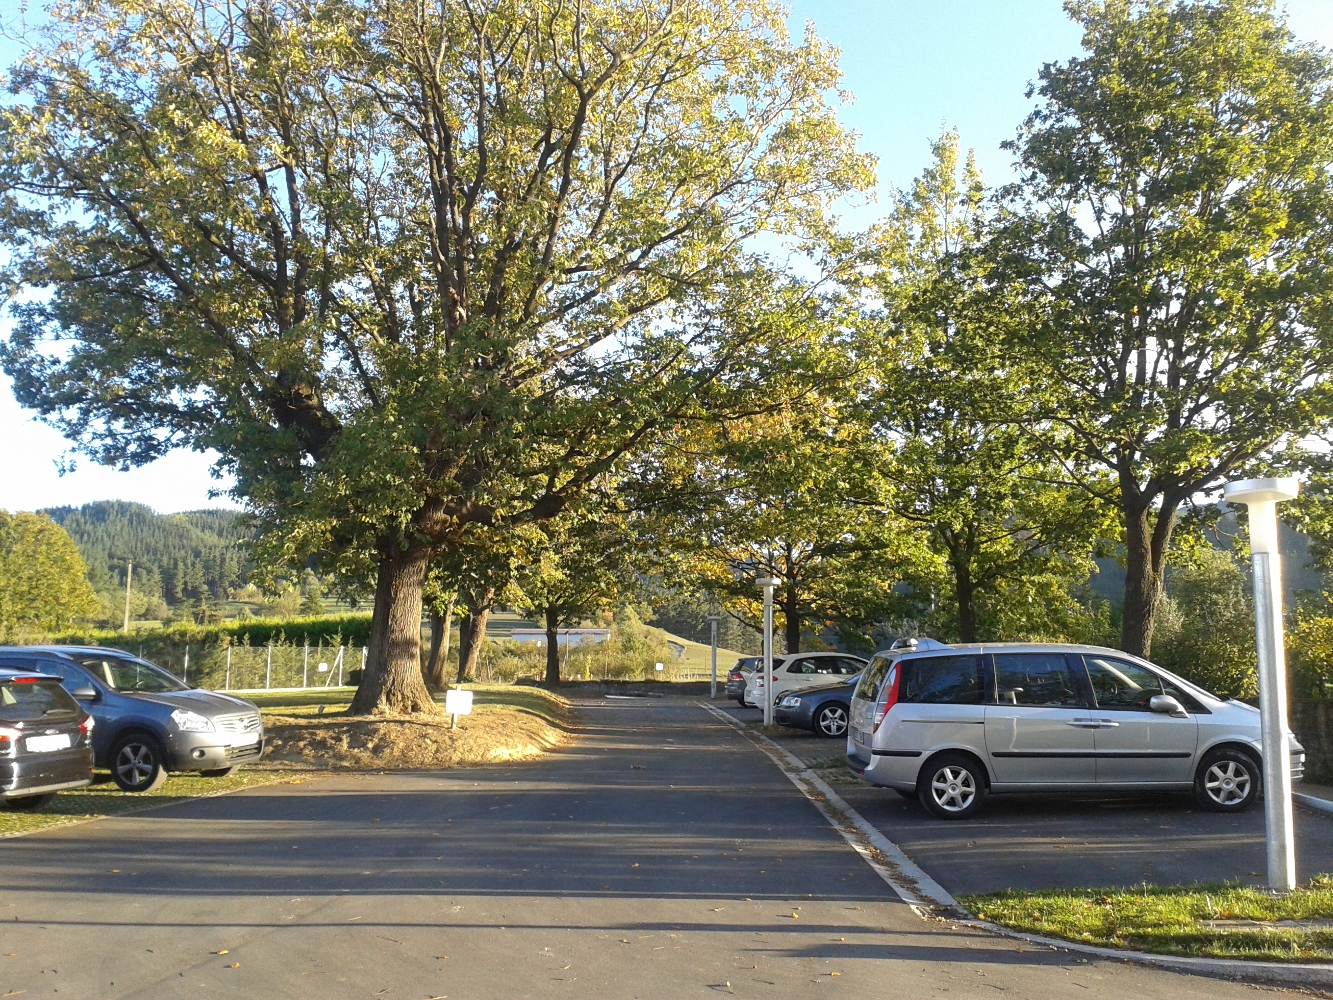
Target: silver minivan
[(952, 724)]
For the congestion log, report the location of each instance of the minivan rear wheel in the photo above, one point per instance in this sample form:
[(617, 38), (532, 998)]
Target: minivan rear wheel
[(952, 786), (1227, 781)]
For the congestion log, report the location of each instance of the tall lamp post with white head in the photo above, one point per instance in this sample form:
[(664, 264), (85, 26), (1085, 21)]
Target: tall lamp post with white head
[(768, 583), (1262, 496), (712, 689)]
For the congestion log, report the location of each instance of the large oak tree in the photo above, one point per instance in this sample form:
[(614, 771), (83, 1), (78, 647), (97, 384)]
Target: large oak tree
[(406, 266)]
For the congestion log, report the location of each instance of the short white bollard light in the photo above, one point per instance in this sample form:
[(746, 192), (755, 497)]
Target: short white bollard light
[(1262, 496), (712, 690), (457, 702), (768, 583)]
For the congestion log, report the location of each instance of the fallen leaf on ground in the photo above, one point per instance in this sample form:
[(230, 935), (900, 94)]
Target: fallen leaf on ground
[(635, 865), (224, 951), (234, 965)]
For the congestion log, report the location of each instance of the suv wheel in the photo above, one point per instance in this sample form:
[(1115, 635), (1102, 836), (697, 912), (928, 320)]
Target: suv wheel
[(138, 763), (1227, 781), (832, 720), (952, 786)]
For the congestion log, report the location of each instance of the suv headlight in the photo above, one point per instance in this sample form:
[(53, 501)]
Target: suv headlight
[(191, 722)]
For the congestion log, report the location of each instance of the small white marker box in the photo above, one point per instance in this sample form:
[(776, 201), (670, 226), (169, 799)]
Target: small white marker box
[(458, 702)]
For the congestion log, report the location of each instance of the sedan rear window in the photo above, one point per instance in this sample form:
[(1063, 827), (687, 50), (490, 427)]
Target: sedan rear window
[(132, 675), (25, 702), (941, 680)]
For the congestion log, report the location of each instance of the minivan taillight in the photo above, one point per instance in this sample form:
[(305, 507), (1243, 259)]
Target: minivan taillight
[(888, 696)]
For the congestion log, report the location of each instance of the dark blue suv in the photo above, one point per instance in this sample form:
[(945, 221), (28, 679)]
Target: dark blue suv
[(147, 721)]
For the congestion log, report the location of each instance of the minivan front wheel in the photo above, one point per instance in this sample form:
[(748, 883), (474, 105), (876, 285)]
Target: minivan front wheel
[(138, 763), (1227, 781), (952, 786)]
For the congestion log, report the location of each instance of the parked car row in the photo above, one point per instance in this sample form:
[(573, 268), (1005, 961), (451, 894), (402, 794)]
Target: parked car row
[(136, 719), (951, 725)]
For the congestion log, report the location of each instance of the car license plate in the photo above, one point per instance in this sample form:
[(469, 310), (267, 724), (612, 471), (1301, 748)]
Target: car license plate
[(45, 744), (245, 739), (858, 737)]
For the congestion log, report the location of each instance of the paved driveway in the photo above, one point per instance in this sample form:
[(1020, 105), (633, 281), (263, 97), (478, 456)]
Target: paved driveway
[(660, 856), (1047, 842)]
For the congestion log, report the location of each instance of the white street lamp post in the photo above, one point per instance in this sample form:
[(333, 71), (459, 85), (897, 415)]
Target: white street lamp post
[(1262, 496), (713, 620), (768, 583)]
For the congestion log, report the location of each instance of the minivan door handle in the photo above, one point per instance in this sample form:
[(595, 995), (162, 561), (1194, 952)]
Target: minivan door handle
[(1108, 724), (1084, 724)]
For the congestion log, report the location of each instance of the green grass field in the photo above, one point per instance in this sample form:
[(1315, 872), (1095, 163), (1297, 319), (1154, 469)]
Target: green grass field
[(1220, 921)]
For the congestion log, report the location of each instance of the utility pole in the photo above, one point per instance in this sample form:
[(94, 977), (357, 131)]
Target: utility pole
[(129, 573)]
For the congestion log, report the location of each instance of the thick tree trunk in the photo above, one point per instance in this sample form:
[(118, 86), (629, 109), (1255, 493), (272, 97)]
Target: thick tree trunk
[(552, 647), (472, 633), (392, 680), (791, 614), (1147, 536), (437, 665), (966, 596)]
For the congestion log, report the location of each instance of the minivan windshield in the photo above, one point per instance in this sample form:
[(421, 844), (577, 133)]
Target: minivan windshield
[(132, 675)]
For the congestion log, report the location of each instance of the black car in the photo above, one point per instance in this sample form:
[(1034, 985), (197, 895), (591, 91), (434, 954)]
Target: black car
[(738, 675), (823, 709), (45, 740)]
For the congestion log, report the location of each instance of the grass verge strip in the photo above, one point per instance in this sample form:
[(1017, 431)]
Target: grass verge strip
[(1218, 921)]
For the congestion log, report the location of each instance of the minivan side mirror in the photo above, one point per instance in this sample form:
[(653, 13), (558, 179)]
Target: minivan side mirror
[(1167, 705), (85, 692)]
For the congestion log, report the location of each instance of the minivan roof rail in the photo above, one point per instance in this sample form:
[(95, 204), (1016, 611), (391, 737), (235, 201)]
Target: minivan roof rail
[(914, 642)]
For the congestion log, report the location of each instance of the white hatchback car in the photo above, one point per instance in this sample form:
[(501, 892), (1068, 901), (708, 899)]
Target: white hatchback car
[(952, 724), (801, 670)]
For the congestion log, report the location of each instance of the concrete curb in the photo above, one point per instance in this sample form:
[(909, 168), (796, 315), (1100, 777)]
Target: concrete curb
[(1313, 802), (929, 900)]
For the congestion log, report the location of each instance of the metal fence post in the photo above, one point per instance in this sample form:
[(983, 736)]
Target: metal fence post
[(268, 669), (226, 685), (305, 666)]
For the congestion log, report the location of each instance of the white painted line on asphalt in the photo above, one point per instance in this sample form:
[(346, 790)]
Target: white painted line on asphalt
[(917, 889)]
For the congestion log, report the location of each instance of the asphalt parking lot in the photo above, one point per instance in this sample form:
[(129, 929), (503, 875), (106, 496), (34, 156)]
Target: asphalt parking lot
[(1051, 842)]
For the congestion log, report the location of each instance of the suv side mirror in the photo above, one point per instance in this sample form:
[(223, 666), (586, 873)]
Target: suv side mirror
[(1167, 705), (85, 692)]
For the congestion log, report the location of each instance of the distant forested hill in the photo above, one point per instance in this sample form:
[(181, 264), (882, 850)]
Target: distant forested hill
[(178, 557)]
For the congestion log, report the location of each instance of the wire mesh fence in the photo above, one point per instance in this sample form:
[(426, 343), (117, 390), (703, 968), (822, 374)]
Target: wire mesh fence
[(248, 668)]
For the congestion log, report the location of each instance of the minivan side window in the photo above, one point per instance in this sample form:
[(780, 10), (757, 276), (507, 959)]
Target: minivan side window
[(1118, 684), (941, 680), (1038, 679), (873, 677)]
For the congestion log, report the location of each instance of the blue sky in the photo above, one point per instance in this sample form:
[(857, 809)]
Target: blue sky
[(915, 67)]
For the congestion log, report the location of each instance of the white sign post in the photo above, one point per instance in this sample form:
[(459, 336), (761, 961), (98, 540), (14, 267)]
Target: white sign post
[(1262, 496), (768, 583), (457, 702)]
